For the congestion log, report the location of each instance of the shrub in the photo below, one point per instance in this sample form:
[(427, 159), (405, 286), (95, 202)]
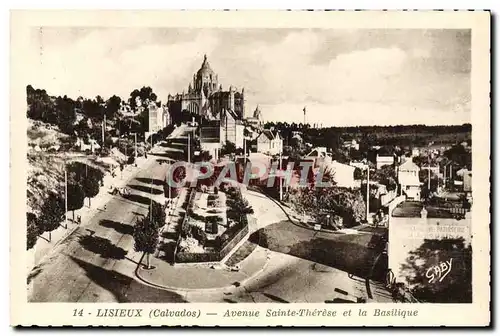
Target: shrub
[(199, 234)]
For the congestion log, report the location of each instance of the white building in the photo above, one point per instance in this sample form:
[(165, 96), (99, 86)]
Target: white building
[(320, 156), (409, 180), (352, 144), (210, 138), (269, 142), (156, 118), (342, 174), (384, 160)]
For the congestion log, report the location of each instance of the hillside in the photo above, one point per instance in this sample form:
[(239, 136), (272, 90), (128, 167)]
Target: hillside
[(48, 149)]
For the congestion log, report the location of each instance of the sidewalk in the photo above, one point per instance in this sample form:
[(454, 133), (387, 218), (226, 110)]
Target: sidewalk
[(202, 277), (303, 220), (43, 247)]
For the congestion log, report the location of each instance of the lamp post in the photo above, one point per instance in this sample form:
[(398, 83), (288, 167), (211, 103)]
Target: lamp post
[(367, 192), (189, 147), (280, 177), (65, 195)]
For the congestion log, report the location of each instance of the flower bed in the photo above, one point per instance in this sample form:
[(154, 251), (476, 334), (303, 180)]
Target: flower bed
[(222, 244)]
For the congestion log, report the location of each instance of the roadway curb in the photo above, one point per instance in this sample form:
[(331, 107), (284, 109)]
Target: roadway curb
[(211, 289), (69, 232), (294, 221)]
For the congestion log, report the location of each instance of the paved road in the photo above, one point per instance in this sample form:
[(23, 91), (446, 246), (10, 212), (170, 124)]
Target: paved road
[(293, 274), (96, 263)]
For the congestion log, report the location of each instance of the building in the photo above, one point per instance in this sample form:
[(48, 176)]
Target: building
[(157, 118), (342, 174), (466, 176), (384, 160), (210, 138), (319, 156), (269, 142), (351, 144), (359, 164), (412, 227), (92, 146), (408, 178), (256, 119), (205, 97), (232, 128)]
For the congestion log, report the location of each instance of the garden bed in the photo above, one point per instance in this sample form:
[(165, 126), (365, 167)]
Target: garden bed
[(216, 234)]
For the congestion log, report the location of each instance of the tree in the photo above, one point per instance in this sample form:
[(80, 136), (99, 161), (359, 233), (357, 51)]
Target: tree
[(52, 214), (88, 177), (76, 196), (40, 106), (91, 186), (33, 230), (143, 121), (426, 192), (460, 155), (386, 175), (112, 107), (145, 94), (456, 287), (346, 203), (65, 114), (145, 238), (358, 174), (228, 148), (157, 214)]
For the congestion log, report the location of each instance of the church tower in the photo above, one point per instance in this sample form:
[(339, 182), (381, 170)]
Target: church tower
[(205, 79)]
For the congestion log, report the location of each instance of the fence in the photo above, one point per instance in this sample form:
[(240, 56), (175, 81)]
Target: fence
[(184, 223), (187, 257)]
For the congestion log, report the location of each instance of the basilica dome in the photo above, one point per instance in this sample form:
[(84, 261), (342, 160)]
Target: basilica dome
[(205, 71)]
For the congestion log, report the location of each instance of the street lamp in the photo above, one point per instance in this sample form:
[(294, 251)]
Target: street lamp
[(367, 192), (135, 148)]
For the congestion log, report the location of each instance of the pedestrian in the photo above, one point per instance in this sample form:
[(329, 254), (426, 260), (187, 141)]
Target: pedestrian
[(79, 219)]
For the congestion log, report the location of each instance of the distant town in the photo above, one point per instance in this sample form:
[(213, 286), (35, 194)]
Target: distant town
[(105, 225)]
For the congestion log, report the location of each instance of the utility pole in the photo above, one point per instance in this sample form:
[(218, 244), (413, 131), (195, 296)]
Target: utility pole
[(103, 128), (280, 177), (65, 195), (189, 147), (151, 204), (135, 142), (367, 192), (429, 178)]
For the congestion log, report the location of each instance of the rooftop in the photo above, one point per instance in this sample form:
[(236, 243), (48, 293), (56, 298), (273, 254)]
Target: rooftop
[(411, 209)]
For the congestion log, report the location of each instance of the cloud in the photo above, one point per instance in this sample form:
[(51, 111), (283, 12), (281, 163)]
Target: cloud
[(290, 69), (97, 64)]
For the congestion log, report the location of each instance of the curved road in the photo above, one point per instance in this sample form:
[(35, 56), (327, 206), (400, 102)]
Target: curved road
[(97, 262)]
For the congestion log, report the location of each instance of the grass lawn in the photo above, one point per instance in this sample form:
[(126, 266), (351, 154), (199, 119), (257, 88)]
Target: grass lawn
[(243, 251), (347, 252)]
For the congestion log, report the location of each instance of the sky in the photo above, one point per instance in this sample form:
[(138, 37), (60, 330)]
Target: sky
[(342, 77)]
